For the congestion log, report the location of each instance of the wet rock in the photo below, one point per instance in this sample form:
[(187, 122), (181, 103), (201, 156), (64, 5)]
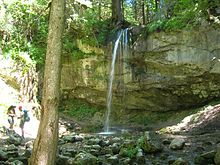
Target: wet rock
[(166, 141), (3, 155), (125, 161), (27, 153), (177, 144), (62, 160), (150, 144), (199, 149), (116, 140), (217, 156), (115, 147), (96, 146), (94, 152), (205, 158), (129, 144), (93, 141), (93, 149), (12, 154), (180, 161), (78, 138), (209, 155), (104, 142), (4, 163), (21, 159), (84, 158), (71, 161), (12, 151), (29, 144), (200, 160), (68, 149), (171, 159), (113, 159), (69, 138), (140, 156), (105, 151), (164, 156), (72, 138), (17, 162), (14, 140)]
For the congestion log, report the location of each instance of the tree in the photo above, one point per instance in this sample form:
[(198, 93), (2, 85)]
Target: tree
[(143, 12), (117, 16), (45, 145)]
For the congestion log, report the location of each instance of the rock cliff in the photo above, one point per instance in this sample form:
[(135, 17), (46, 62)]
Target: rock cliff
[(164, 71)]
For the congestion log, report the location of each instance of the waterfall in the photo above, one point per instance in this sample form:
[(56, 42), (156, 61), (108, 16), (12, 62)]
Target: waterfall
[(122, 39)]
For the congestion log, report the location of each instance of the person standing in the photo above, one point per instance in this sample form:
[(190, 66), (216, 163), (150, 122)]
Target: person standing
[(11, 116), (22, 120)]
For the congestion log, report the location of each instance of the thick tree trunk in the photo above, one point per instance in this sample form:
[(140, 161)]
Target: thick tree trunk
[(45, 145), (117, 16)]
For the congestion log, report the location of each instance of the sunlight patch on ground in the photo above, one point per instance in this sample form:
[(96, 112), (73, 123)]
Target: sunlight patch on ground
[(206, 114)]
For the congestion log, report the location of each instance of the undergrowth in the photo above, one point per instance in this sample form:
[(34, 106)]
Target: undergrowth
[(78, 109)]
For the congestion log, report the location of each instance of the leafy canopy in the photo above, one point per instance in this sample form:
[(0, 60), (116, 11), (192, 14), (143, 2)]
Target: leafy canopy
[(24, 24)]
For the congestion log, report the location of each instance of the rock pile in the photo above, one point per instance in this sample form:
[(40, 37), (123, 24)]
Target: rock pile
[(120, 149)]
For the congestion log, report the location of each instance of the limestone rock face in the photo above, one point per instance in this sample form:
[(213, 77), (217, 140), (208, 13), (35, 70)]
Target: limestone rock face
[(165, 71)]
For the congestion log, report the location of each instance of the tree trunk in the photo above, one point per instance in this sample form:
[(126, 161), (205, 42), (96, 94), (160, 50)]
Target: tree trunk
[(122, 9), (117, 16), (100, 9), (143, 12), (156, 5), (135, 11), (147, 14), (45, 145)]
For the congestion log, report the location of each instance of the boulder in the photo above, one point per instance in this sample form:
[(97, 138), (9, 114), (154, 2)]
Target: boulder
[(217, 156), (84, 158), (150, 143), (177, 144)]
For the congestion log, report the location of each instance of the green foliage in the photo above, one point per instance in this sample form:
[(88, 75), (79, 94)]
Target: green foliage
[(104, 28), (77, 54), (129, 149), (24, 30), (141, 141), (130, 152), (78, 110), (88, 28), (24, 25), (184, 14), (156, 26)]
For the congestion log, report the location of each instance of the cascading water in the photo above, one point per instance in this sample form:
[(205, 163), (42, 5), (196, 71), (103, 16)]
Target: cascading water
[(121, 39)]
